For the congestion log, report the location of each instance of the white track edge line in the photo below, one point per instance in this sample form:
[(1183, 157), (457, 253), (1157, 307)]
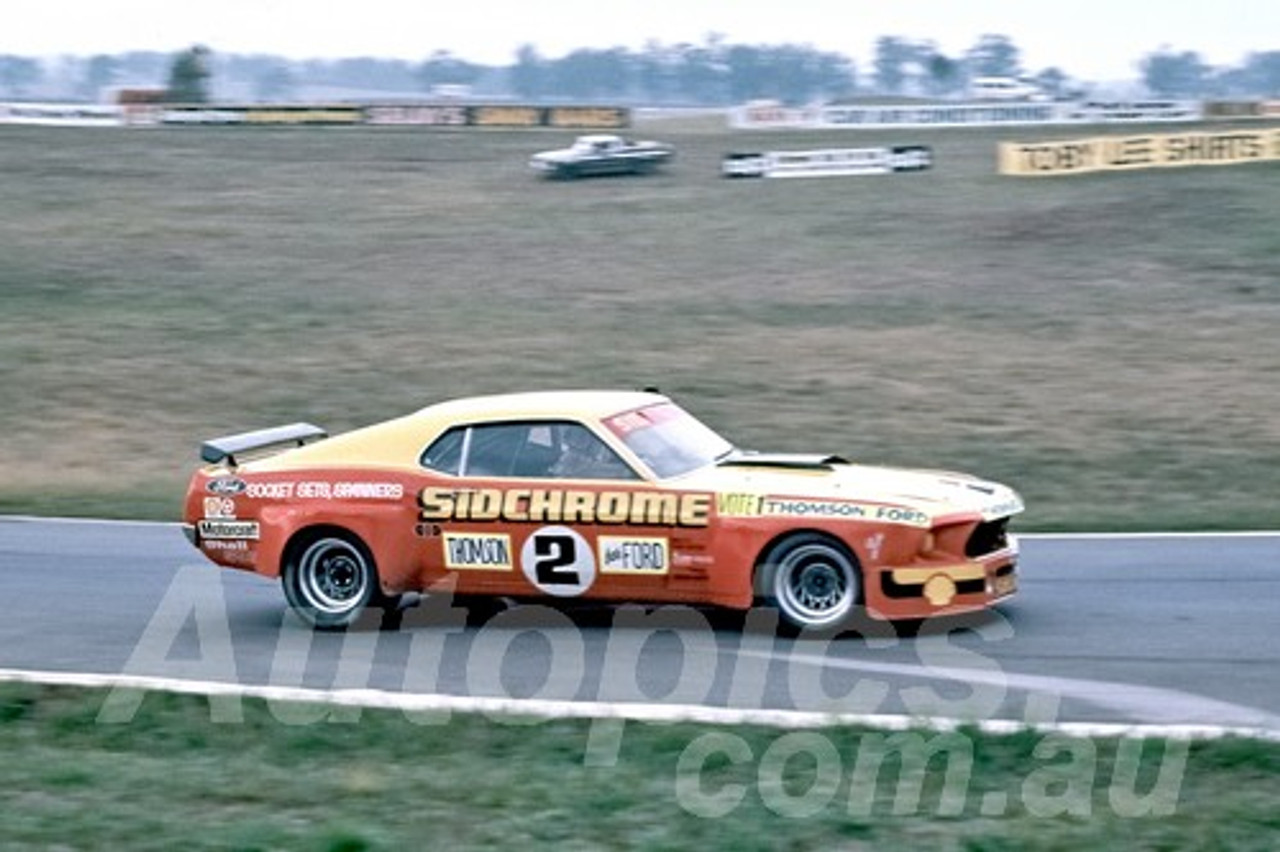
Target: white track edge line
[(376, 699), (1027, 536)]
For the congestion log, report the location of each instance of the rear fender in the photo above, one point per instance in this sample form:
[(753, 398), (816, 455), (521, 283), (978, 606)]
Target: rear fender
[(387, 531)]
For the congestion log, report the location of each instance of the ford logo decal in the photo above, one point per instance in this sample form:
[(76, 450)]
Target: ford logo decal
[(226, 485)]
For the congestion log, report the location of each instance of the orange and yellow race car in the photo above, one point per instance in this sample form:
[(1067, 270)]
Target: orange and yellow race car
[(599, 495)]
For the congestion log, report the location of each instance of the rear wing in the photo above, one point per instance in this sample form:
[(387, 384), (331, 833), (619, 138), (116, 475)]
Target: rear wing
[(224, 450)]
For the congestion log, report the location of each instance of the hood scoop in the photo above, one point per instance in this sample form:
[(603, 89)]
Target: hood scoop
[(783, 461)]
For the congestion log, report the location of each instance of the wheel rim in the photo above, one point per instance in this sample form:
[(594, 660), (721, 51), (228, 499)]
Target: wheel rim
[(815, 585), (333, 576)]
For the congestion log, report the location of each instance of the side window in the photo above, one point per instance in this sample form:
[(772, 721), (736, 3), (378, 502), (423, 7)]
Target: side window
[(445, 453), (582, 455), (494, 449), (546, 450)]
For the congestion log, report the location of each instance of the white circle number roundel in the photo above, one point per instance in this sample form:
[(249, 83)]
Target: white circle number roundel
[(558, 561)]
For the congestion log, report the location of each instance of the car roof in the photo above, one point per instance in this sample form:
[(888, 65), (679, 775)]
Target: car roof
[(577, 404), (399, 442)]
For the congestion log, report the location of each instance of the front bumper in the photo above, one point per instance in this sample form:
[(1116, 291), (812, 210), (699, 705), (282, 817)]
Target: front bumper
[(924, 591)]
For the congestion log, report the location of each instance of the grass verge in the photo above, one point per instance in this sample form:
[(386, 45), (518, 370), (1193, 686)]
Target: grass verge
[(170, 777)]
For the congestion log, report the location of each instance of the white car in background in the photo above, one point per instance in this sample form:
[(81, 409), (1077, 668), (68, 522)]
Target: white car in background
[(1006, 89), (602, 154)]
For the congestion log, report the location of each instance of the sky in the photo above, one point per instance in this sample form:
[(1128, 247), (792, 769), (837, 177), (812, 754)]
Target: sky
[(1087, 39)]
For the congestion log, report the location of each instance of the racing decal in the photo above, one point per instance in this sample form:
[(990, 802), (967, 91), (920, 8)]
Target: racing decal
[(635, 556), (558, 561), (1011, 506), (213, 529), (754, 506), (874, 543), (544, 505), (739, 505), (226, 485), (351, 490), (320, 490), (220, 508), (901, 515), (480, 551), (221, 545)]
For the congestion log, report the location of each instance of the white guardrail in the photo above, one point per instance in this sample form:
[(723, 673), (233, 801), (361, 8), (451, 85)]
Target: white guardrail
[(63, 115), (828, 162)]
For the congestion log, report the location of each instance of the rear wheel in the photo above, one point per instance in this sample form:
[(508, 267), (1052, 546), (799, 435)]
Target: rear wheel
[(812, 580), (329, 580)]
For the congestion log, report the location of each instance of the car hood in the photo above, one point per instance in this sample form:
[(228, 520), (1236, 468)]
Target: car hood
[(560, 155), (933, 493)]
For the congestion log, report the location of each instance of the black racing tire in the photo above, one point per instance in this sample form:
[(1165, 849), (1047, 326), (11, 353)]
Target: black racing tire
[(813, 581), (330, 579)]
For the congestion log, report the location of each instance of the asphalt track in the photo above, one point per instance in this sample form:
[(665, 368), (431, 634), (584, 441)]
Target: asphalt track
[(1132, 630)]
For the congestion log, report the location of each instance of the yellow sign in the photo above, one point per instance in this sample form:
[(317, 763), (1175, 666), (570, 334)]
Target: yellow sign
[(634, 556), (1157, 150), (506, 116), (586, 117), (303, 115), (478, 551)]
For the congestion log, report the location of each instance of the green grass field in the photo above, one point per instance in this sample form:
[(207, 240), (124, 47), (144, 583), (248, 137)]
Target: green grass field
[(1104, 343), (173, 779)]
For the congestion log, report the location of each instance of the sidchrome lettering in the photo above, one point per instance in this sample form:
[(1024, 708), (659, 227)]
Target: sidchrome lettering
[(545, 505), (515, 504), (579, 506), (654, 509), (487, 505), (612, 507)]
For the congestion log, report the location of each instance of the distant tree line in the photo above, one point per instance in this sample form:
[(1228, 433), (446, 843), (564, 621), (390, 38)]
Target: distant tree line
[(713, 72)]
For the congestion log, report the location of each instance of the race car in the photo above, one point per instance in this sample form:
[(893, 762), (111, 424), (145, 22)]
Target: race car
[(603, 496), (602, 154)]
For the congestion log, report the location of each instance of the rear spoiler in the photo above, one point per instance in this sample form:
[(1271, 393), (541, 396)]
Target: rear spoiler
[(225, 449)]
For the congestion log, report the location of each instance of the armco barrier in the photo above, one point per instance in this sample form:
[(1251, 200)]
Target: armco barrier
[(400, 115), (1122, 153), (830, 162), (62, 115), (148, 114), (759, 116)]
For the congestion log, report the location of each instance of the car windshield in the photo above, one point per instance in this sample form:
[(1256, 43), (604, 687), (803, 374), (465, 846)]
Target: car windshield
[(668, 439)]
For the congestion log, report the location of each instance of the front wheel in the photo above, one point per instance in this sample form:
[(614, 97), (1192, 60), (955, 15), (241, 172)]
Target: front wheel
[(812, 580), (329, 580)]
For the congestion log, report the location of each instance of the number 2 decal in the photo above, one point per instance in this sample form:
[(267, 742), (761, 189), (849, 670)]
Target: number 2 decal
[(555, 556), (558, 561)]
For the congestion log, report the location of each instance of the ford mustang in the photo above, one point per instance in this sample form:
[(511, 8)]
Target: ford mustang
[(607, 496)]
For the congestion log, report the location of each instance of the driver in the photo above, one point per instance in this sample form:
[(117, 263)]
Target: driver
[(584, 456)]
